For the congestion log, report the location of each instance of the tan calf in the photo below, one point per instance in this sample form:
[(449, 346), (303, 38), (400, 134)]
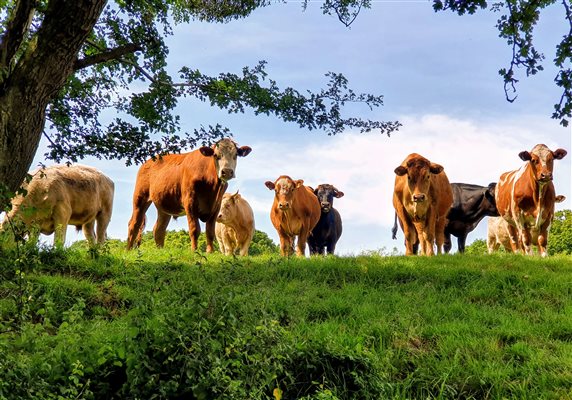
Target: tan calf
[(61, 195), (234, 227)]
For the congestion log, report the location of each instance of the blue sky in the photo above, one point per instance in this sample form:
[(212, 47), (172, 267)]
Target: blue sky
[(438, 73)]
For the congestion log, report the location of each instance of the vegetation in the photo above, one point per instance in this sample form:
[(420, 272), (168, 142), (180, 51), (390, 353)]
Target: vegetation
[(167, 323), (560, 239)]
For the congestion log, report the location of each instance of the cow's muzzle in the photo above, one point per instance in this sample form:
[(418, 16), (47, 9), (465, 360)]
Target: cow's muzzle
[(226, 174), (545, 177), (418, 198), (284, 206), (325, 207)]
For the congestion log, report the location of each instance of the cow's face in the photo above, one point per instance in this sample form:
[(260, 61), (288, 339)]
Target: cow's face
[(227, 212), (325, 194), (541, 158), (225, 153), (418, 174), (284, 189)]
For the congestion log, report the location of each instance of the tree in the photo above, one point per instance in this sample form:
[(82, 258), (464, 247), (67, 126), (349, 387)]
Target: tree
[(516, 24), (560, 236), (66, 62)]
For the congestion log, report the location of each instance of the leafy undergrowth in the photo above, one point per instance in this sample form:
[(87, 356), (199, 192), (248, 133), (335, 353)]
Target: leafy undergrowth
[(172, 324)]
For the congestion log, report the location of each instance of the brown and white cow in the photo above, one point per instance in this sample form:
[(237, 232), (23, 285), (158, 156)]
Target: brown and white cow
[(190, 184), (295, 212), (234, 227), (525, 198), (498, 232), (62, 195), (422, 198)]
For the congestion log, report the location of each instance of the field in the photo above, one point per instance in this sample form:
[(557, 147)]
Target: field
[(147, 324)]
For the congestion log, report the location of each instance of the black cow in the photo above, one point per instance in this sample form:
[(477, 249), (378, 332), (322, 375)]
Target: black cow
[(471, 203), (326, 233)]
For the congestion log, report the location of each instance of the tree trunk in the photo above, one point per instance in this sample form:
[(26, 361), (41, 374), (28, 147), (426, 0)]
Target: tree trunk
[(36, 78)]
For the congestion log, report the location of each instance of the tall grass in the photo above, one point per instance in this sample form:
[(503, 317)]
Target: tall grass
[(175, 324)]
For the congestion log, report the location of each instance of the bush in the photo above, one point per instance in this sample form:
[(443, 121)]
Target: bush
[(560, 236)]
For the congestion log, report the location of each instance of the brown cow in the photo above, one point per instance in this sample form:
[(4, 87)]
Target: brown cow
[(498, 233), (234, 227), (178, 184), (295, 212), (422, 198), (525, 198), (62, 195)]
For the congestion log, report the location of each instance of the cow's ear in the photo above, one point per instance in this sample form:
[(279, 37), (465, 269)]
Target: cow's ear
[(490, 192), (559, 154), (559, 198), (299, 183), (338, 194), (435, 168), (243, 151), (270, 185), (206, 151), (400, 171), (525, 156)]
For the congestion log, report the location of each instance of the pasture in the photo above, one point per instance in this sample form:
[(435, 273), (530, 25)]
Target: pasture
[(170, 323)]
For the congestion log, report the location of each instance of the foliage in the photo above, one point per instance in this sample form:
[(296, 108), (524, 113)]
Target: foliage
[(516, 25), (478, 246), (560, 236), (166, 324)]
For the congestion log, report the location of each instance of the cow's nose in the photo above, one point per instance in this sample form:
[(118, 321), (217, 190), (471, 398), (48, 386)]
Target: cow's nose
[(417, 198), (546, 176), (227, 173), (325, 205), (284, 206)]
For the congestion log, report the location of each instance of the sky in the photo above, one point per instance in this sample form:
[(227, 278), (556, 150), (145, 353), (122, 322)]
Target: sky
[(438, 73)]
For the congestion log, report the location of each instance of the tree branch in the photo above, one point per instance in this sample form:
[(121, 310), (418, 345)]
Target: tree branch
[(107, 55), (16, 30)]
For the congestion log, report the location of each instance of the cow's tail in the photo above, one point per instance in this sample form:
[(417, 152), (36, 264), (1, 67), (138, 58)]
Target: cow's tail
[(394, 229)]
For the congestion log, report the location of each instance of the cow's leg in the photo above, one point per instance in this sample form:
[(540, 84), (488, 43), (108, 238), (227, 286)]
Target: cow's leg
[(286, 244), (61, 216), (194, 230), (102, 221), (426, 237), (331, 247), (514, 239), (411, 240), (461, 240), (526, 241), (447, 244), (492, 243), (89, 232), (439, 233), (160, 228), (543, 239), (301, 245), (137, 221), (210, 234)]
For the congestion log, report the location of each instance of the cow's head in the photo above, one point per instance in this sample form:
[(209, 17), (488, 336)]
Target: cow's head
[(284, 188), (228, 208), (489, 205), (325, 194), (418, 172), (225, 152), (541, 158)]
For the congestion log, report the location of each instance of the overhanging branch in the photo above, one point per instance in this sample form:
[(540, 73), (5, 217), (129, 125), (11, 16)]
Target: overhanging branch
[(107, 55)]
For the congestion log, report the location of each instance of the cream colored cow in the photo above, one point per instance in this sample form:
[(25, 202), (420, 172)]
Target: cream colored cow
[(234, 227), (62, 195)]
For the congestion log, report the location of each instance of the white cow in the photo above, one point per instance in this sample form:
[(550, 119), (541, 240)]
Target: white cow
[(234, 227), (62, 195)]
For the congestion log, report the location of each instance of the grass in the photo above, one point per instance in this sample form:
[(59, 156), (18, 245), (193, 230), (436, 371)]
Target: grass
[(173, 324)]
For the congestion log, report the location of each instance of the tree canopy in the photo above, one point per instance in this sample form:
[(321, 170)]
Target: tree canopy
[(65, 63)]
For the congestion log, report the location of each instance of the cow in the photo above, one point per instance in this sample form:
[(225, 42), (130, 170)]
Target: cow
[(190, 184), (498, 232), (422, 198), (471, 203), (62, 195), (234, 227), (525, 198), (328, 230), (295, 212)]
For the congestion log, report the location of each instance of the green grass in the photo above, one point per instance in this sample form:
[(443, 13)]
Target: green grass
[(173, 324)]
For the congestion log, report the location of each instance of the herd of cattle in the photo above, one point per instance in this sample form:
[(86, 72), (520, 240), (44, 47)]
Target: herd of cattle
[(428, 208)]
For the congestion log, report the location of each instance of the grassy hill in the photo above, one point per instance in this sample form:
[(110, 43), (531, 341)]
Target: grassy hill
[(172, 324)]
